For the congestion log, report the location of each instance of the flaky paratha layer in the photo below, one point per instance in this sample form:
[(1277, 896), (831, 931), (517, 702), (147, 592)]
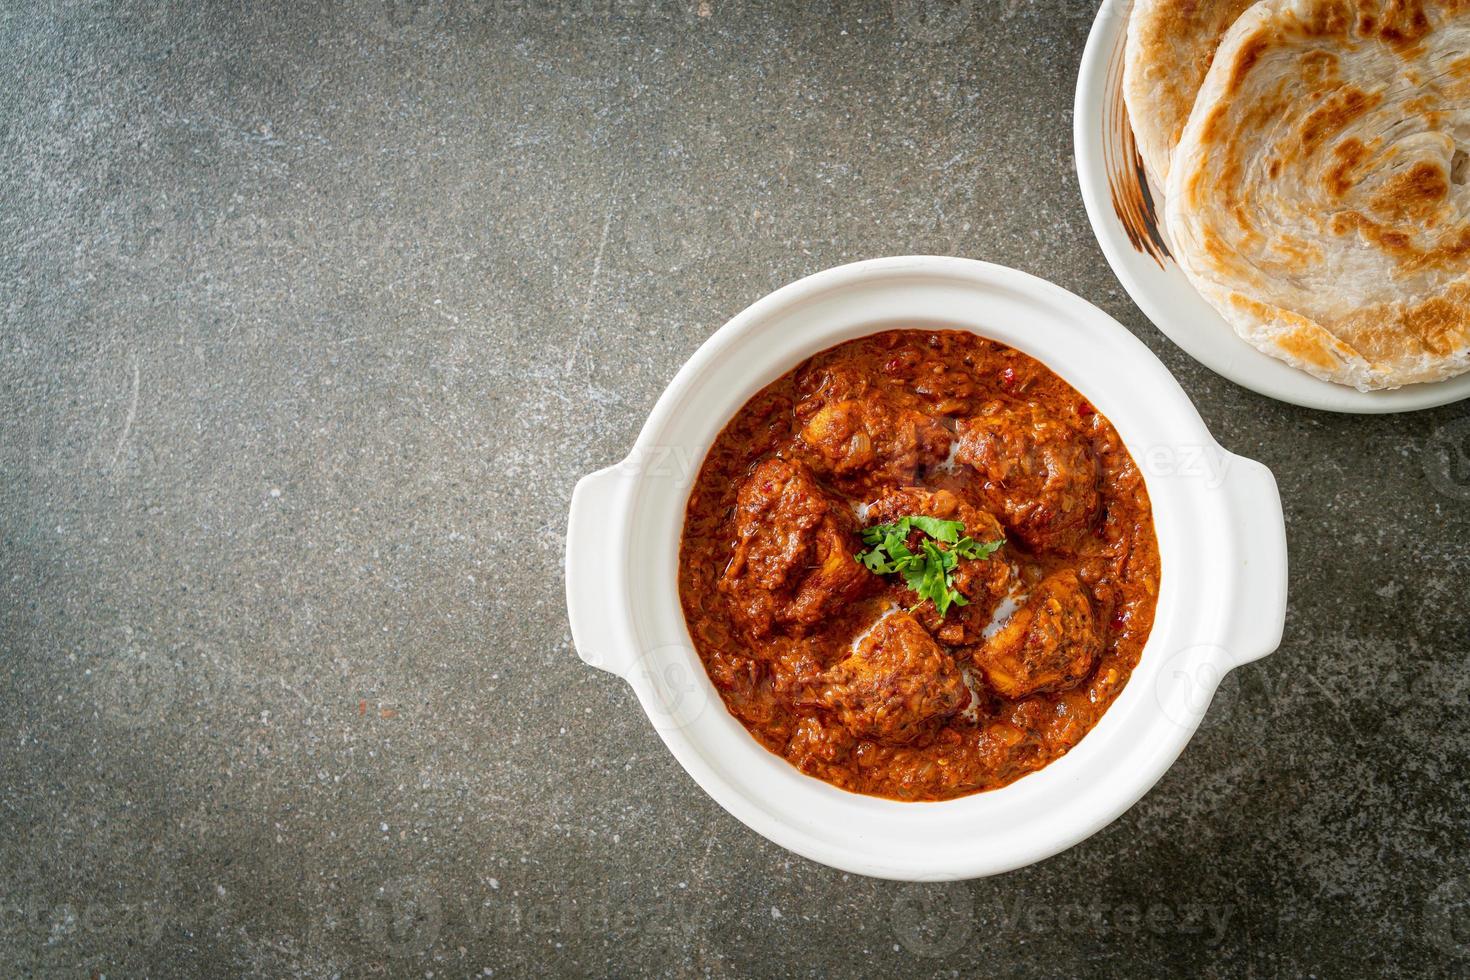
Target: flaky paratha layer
[(1319, 196), (1170, 46)]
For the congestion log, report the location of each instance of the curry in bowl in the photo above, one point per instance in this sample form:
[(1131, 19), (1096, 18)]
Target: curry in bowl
[(920, 565)]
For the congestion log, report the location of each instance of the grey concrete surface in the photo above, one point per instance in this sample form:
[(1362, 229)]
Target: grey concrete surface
[(313, 314)]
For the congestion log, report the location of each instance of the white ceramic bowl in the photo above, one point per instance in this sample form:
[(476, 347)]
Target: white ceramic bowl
[(1126, 214), (1221, 541)]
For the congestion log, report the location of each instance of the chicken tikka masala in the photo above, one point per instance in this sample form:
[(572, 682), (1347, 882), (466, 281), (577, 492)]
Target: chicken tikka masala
[(919, 566)]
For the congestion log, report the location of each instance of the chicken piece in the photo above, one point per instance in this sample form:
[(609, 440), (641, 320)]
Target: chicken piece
[(1050, 644), (896, 685), (1037, 474), (981, 581), (793, 563), (858, 432)]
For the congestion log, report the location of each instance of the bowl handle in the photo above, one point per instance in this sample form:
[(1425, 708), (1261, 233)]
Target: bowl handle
[(1256, 538), (596, 602)]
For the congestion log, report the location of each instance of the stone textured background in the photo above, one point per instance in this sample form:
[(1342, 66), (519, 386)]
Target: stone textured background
[(313, 315)]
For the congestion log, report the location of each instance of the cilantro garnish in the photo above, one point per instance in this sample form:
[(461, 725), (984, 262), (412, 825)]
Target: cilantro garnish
[(930, 570)]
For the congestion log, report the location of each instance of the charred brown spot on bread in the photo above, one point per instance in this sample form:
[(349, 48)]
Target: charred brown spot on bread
[(1219, 251), (1404, 25), (1414, 194), (1250, 52), (1450, 251), (1264, 110), (1436, 327), (1242, 218), (1427, 108), (1455, 80), (1192, 187), (1441, 323), (1175, 20), (1329, 20), (1307, 346), (1228, 183), (1302, 339), (1341, 174), (1294, 249), (1214, 125), (1394, 243), (1319, 66), (1335, 114)]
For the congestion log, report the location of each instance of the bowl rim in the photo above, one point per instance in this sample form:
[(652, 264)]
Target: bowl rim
[(1198, 330), (1202, 649)]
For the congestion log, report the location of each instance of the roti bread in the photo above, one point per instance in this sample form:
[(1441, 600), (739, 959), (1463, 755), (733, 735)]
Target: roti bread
[(1169, 49), (1318, 196)]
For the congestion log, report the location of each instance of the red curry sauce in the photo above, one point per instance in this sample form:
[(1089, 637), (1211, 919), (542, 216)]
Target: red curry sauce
[(848, 674)]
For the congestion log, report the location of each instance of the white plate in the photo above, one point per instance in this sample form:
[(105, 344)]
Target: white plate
[(1121, 205)]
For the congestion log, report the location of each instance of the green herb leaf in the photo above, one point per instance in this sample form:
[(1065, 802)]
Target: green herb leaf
[(930, 571), (970, 548), (946, 531)]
